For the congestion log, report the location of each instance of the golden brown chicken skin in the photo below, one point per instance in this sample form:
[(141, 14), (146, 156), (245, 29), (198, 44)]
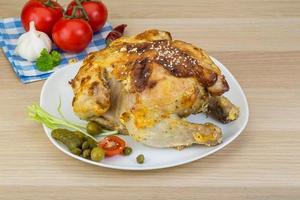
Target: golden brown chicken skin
[(145, 85)]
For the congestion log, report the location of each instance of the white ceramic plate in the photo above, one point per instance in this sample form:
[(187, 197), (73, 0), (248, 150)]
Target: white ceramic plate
[(57, 86)]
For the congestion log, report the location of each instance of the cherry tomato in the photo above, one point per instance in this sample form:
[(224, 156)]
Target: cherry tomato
[(112, 145), (72, 35), (96, 11), (44, 13)]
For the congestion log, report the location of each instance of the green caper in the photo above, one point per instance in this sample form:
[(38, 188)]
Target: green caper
[(93, 128), (91, 142), (140, 159), (86, 153), (97, 154), (85, 145), (127, 151), (76, 151)]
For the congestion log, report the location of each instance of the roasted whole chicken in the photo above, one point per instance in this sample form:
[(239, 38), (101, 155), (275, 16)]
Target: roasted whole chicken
[(147, 84)]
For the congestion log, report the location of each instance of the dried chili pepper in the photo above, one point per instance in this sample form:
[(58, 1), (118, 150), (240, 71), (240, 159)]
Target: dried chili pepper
[(116, 33)]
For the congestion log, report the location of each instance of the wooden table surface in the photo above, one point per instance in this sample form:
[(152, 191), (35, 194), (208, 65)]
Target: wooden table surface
[(259, 41)]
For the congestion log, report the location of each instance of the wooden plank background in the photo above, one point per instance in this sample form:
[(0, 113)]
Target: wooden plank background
[(258, 40)]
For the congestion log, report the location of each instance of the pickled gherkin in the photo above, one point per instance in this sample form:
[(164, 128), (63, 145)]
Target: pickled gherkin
[(80, 135), (79, 144), (68, 138)]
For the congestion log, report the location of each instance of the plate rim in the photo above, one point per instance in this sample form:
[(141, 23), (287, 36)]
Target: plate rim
[(217, 148)]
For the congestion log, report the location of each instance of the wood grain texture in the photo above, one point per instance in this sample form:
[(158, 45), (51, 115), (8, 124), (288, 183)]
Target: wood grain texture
[(259, 41)]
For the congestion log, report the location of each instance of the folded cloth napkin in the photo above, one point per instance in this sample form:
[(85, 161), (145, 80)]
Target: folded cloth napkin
[(11, 29)]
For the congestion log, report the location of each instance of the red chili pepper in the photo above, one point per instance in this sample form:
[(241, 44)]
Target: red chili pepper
[(116, 33)]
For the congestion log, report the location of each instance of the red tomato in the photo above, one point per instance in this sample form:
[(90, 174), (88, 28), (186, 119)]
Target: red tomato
[(72, 35), (44, 13), (96, 11), (112, 145)]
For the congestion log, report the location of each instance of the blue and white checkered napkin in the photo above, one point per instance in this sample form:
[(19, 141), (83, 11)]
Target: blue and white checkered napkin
[(10, 31)]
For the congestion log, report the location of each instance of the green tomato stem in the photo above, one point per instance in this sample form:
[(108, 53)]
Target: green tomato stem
[(49, 3), (79, 6)]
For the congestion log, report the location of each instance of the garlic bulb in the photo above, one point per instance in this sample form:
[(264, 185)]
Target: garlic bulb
[(31, 43)]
